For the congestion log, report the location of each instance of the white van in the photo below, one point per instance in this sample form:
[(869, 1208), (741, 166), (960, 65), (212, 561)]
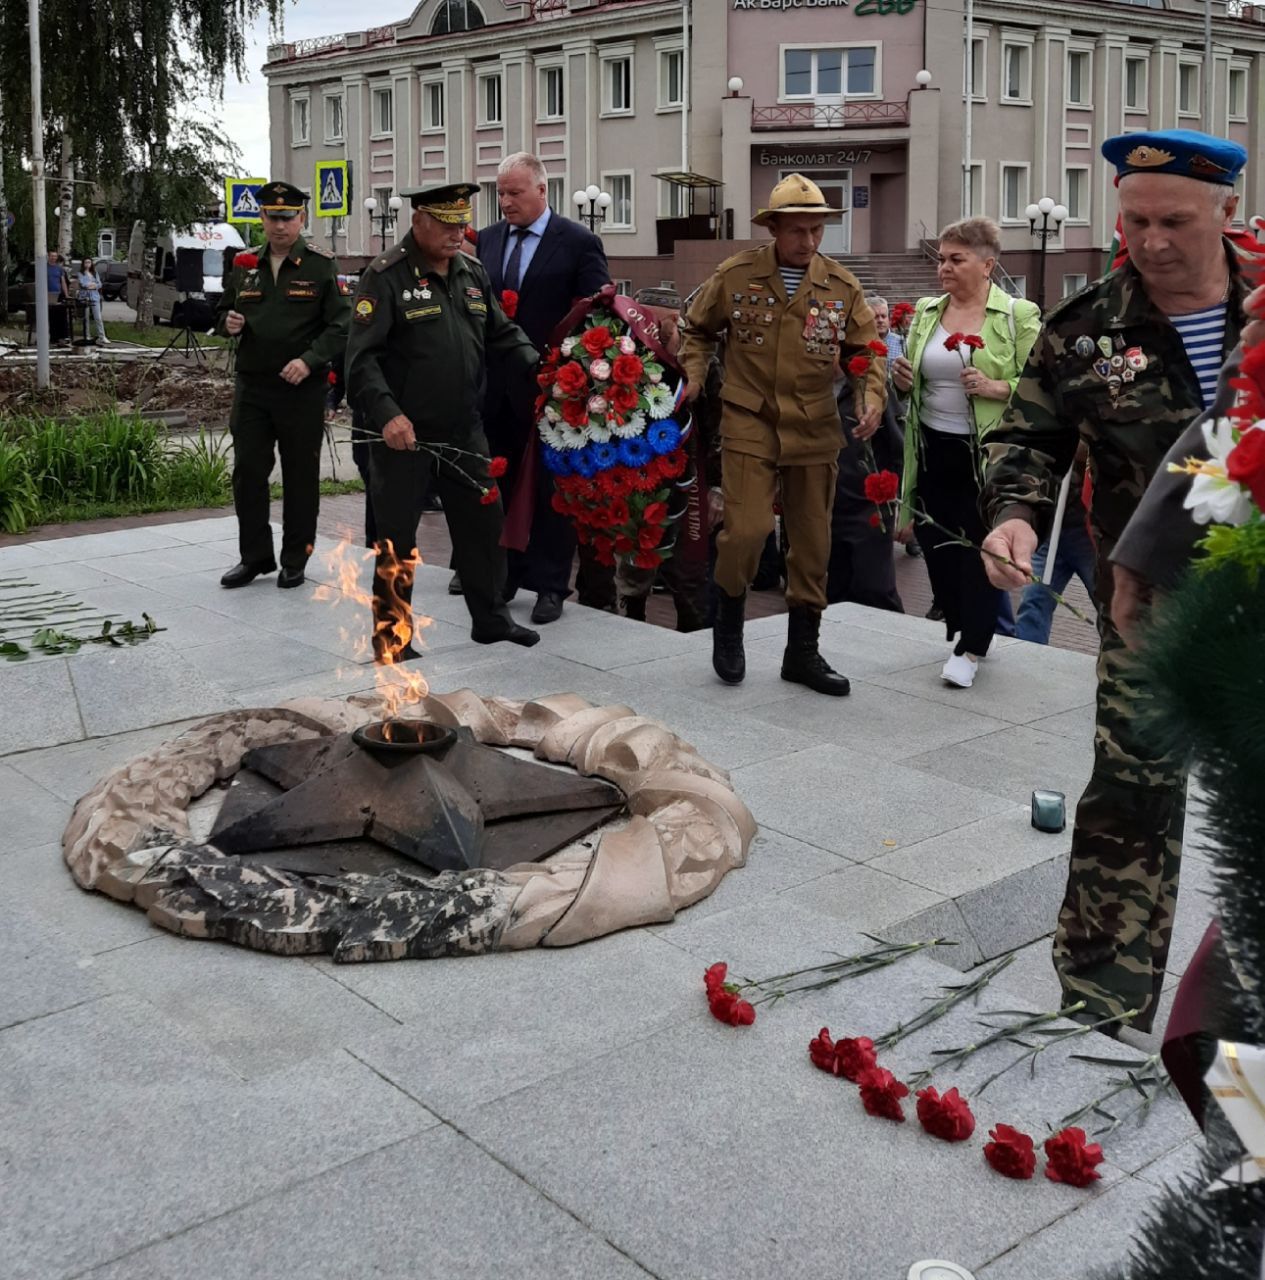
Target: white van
[(211, 238)]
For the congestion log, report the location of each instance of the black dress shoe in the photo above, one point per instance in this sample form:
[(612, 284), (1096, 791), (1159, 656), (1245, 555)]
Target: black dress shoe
[(240, 574), (290, 578), (515, 635), (548, 608), (407, 654)]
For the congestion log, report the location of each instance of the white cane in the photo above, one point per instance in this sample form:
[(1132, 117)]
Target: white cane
[(1059, 508)]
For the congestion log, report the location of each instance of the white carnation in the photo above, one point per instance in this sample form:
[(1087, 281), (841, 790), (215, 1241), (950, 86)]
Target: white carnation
[(628, 345), (600, 370), (568, 346)]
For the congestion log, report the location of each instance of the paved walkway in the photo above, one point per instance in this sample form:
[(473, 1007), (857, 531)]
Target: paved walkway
[(180, 1108)]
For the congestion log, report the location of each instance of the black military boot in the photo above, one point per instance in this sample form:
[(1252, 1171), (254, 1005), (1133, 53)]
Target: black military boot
[(634, 607), (802, 663), (728, 660)]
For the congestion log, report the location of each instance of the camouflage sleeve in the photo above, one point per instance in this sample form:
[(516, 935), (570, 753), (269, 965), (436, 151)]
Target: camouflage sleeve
[(701, 328), (1031, 449)]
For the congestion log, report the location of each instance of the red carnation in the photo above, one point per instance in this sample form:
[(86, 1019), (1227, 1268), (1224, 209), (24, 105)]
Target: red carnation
[(948, 1117), (854, 1057), (881, 487), (547, 376), (876, 520), (1245, 463), (859, 365), (572, 378), (247, 260), (627, 370), (497, 466), (881, 1093), (953, 341), (623, 399), (1070, 1160), (725, 1006), (509, 302), (973, 340), (332, 378), (489, 496), (821, 1050), (575, 412), (596, 340), (649, 535), (714, 977), (1010, 1152), (655, 512), (879, 347), (624, 545), (901, 312)]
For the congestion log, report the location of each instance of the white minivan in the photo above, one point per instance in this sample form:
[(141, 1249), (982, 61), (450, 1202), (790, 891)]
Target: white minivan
[(177, 256)]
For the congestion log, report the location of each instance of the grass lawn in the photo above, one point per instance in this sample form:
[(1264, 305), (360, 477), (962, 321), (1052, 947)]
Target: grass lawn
[(158, 335)]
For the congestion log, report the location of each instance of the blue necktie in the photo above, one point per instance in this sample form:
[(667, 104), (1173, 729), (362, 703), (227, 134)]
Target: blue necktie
[(514, 267)]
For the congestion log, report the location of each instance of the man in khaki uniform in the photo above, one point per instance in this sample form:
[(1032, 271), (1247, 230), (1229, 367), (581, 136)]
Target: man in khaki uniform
[(790, 317)]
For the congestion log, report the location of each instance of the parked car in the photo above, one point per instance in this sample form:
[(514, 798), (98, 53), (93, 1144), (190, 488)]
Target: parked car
[(113, 277)]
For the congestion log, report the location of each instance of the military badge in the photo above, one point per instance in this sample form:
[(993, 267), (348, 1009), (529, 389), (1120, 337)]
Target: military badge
[(407, 295), (1128, 375), (1148, 158), (1104, 345), (1136, 359), (1084, 346), (1102, 367), (1117, 362), (365, 307)]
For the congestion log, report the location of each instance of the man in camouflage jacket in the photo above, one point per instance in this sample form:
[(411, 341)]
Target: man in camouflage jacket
[(1112, 368)]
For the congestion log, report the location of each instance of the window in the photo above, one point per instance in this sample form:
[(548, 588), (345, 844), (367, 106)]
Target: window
[(1188, 88), (556, 193), (1016, 64), (1014, 192), (383, 112), (1074, 283), (1079, 67), (334, 118), (671, 78), (974, 73), (299, 125), (490, 99), (1238, 93), (620, 214), (975, 191), (1020, 286), (488, 209), (1076, 184), (1135, 84), (550, 99), (674, 200), (830, 73), (623, 287), (617, 91), (456, 15), (433, 105)]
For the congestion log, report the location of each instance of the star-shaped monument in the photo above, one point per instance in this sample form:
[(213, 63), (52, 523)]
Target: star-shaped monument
[(451, 805)]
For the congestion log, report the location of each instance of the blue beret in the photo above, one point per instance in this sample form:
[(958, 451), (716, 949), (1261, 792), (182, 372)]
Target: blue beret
[(1185, 152)]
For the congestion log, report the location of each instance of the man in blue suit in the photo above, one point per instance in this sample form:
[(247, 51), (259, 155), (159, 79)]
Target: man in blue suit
[(549, 261)]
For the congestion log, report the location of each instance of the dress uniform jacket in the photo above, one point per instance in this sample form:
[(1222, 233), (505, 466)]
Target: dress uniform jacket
[(419, 345), (780, 354)]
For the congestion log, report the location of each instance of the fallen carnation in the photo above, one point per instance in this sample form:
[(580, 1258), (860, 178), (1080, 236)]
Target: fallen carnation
[(821, 1049), (1010, 1152), (948, 1116), (854, 1056), (1070, 1159), (714, 977), (881, 1093)]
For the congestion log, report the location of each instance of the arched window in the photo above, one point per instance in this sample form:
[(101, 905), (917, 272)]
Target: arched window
[(456, 15)]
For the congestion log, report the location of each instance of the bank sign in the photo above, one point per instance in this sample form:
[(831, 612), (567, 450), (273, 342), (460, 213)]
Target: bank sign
[(862, 8)]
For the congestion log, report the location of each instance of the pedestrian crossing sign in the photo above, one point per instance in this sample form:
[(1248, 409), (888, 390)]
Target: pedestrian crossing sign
[(241, 199), (331, 186)]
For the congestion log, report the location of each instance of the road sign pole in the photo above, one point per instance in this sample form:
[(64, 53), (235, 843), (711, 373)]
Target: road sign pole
[(41, 213)]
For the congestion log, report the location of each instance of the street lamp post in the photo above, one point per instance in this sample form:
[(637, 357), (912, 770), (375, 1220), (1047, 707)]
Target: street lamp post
[(592, 204), (385, 218), (1052, 216)]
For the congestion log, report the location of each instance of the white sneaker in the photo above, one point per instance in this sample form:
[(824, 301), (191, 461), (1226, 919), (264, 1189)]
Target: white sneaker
[(959, 670)]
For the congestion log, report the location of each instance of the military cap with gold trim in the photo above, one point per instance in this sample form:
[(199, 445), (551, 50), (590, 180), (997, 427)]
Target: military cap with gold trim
[(281, 200), (450, 203), (1185, 152)]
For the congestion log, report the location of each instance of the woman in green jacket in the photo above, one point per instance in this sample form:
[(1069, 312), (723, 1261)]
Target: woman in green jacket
[(957, 392)]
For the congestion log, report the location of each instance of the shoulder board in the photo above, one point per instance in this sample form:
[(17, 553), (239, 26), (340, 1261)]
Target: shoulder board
[(743, 259), (316, 249), (388, 259), (840, 272)]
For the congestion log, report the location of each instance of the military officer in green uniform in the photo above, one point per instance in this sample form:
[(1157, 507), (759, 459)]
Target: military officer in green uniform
[(423, 322), (289, 316), (1124, 365)]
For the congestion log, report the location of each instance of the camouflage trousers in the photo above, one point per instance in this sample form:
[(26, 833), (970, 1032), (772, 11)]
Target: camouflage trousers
[(1111, 944)]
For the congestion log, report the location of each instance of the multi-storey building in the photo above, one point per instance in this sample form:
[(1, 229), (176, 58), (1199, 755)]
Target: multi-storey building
[(687, 112)]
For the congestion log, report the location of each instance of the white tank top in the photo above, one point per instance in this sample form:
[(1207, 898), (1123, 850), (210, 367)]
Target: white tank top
[(943, 406)]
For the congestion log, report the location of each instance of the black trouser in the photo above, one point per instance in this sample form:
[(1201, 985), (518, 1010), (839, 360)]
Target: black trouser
[(360, 450), (948, 491), (270, 416), (398, 481)]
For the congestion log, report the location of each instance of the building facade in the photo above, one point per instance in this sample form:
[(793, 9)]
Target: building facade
[(687, 112)]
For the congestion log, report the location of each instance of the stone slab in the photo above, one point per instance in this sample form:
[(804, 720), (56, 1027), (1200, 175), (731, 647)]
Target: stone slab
[(478, 1027), (603, 641), (120, 1130), (975, 855), (254, 659), (41, 976), (256, 1012), (434, 1205), (827, 796), (882, 723), (32, 814), (1077, 724), (137, 686), (41, 705), (177, 558), (21, 558), (691, 676), (204, 530), (866, 900), (1013, 911), (190, 626), (117, 542), (70, 576)]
